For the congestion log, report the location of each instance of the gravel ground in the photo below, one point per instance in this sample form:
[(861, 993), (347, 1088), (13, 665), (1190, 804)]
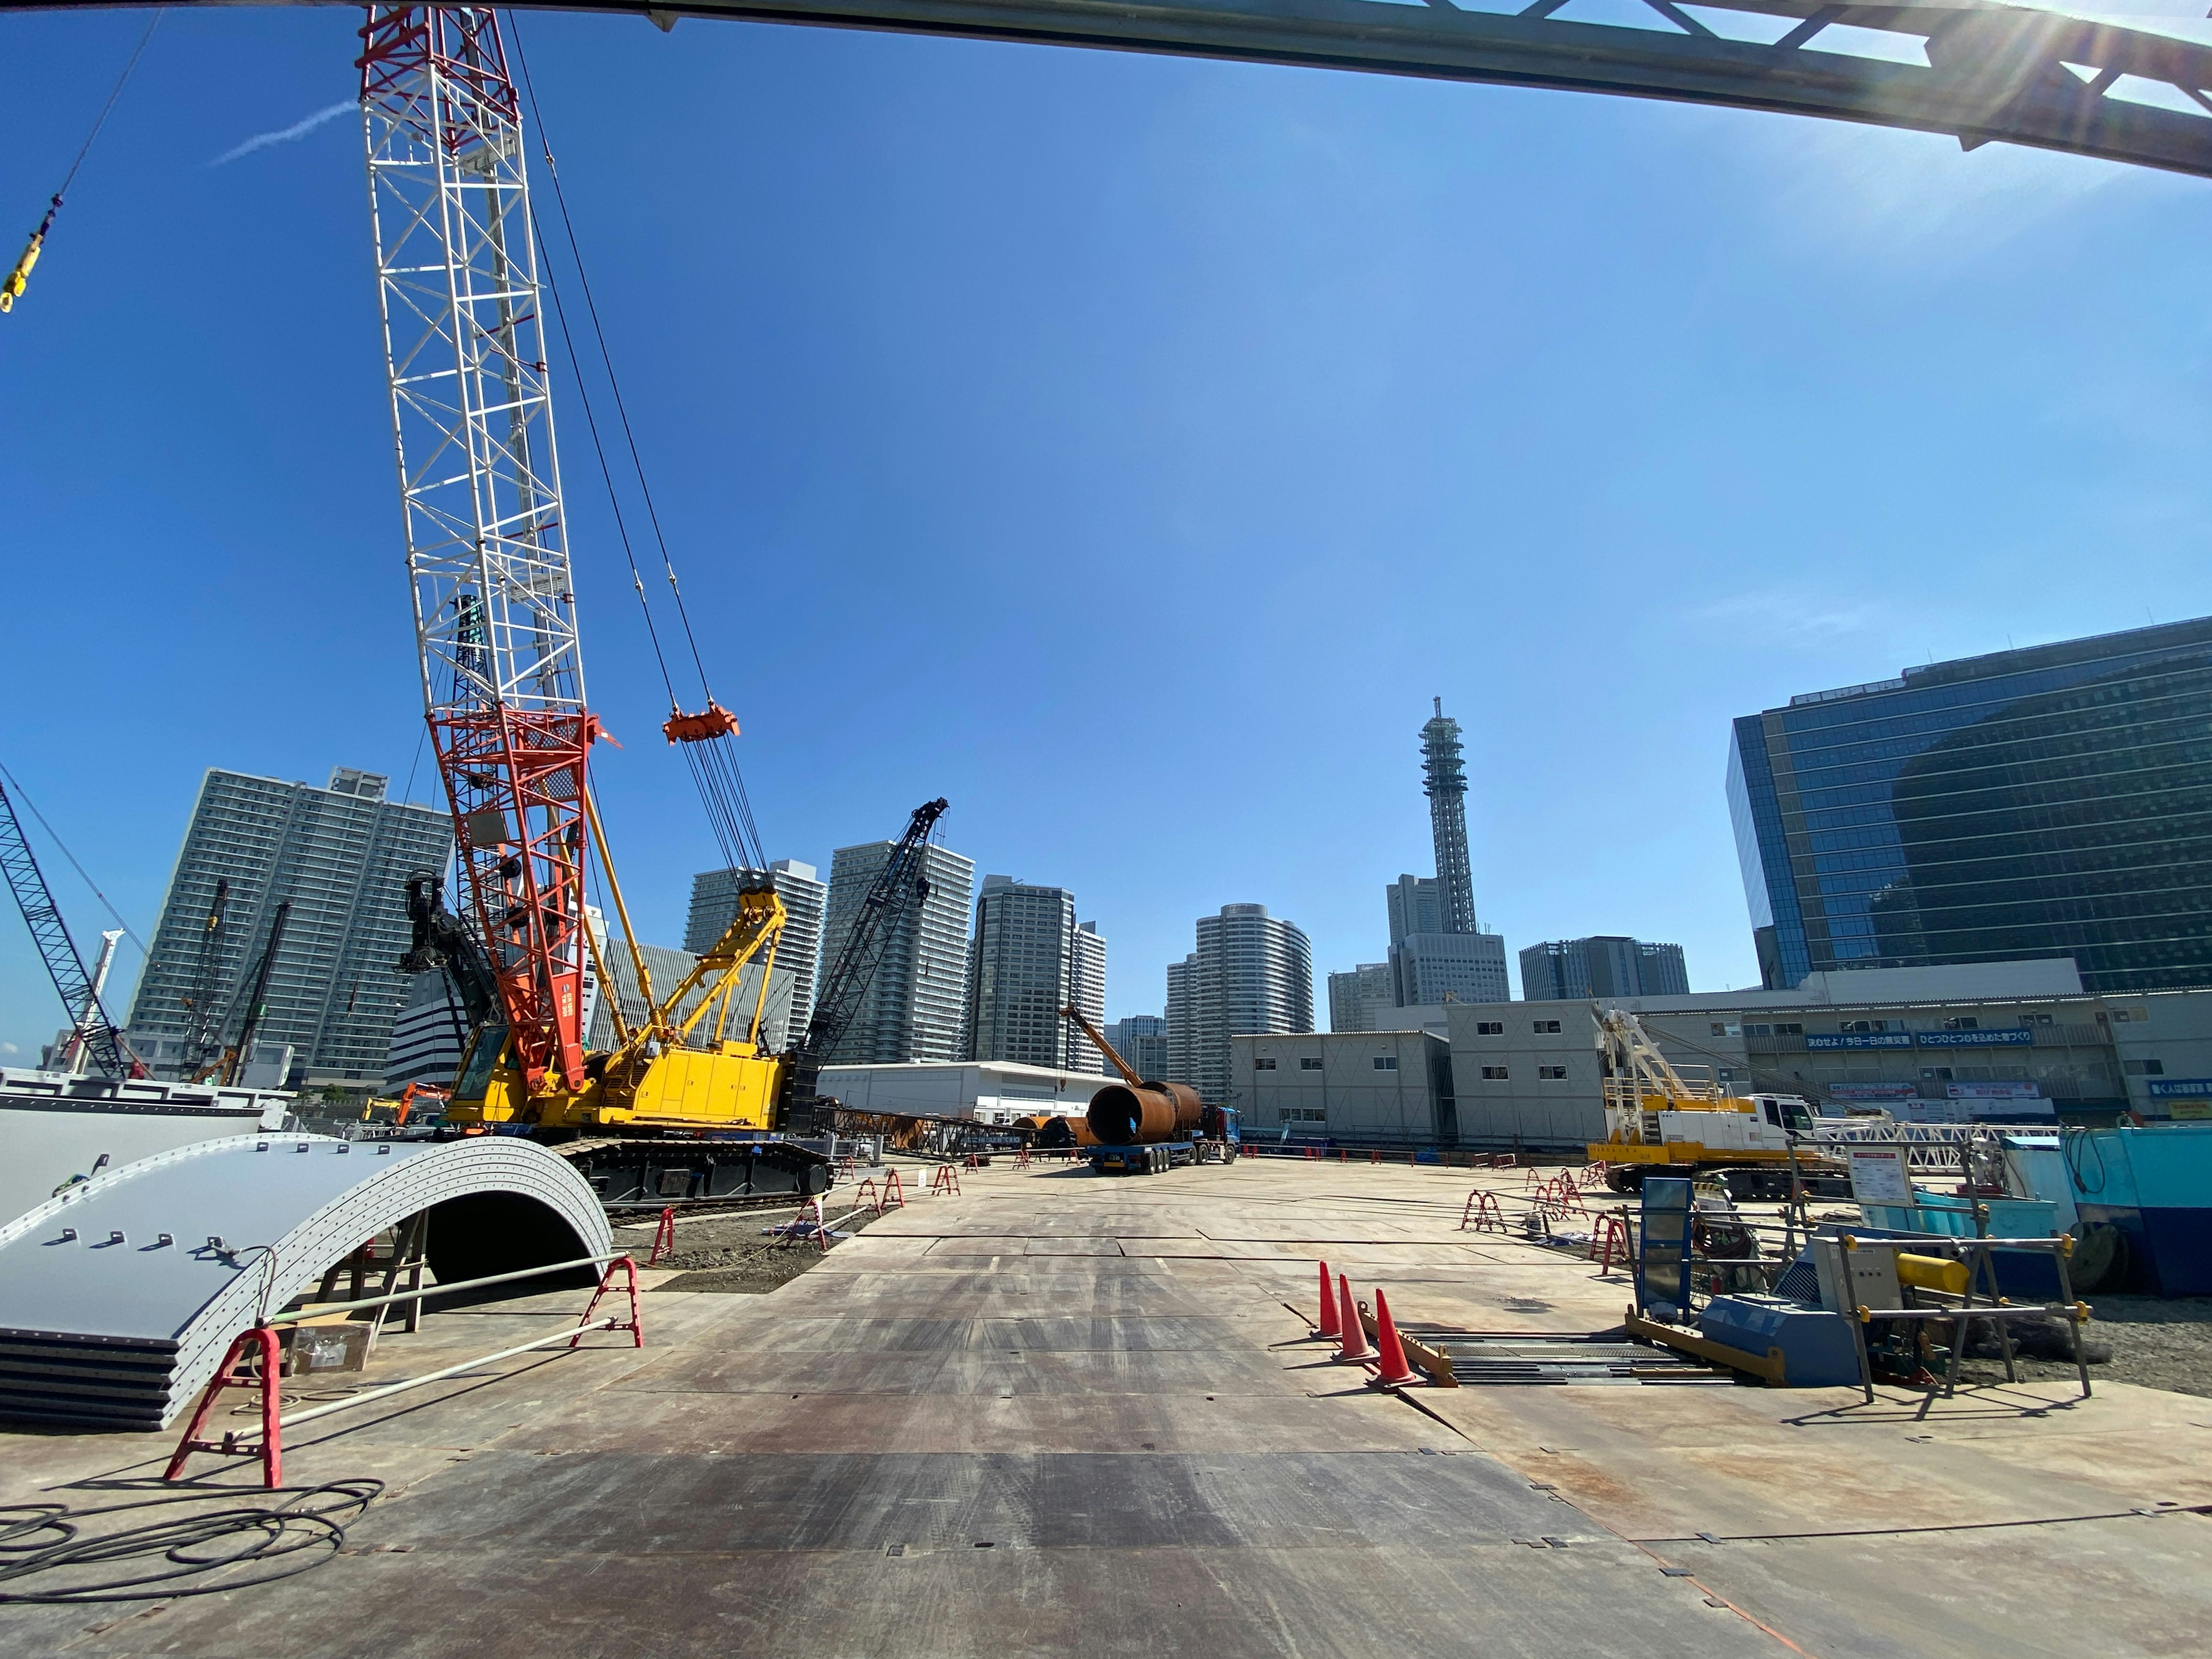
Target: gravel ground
[(2156, 1344), (730, 1254)]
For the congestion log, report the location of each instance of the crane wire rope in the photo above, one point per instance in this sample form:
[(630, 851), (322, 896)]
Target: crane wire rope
[(12, 286), (713, 768), (22, 794)]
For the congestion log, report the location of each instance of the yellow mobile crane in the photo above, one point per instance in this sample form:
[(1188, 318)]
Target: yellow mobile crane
[(1657, 1121)]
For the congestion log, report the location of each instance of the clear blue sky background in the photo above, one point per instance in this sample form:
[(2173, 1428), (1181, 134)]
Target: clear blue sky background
[(1127, 448)]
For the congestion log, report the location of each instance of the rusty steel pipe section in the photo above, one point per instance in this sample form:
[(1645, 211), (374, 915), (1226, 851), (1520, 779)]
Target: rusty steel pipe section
[(1122, 1116)]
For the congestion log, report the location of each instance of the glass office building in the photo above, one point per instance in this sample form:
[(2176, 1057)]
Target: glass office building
[(2055, 801)]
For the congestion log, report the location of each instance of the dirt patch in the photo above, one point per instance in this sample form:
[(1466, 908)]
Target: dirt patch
[(731, 1254), (2156, 1344)]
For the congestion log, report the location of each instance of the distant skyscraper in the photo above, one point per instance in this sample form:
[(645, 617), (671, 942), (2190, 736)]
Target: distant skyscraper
[(1090, 989), (1028, 960), (912, 1008), (1142, 1040), (1251, 973), (1438, 951), (1416, 906), (342, 854), (1603, 965), (1355, 998), (714, 907), (1179, 1021), (1445, 784), (2053, 800)]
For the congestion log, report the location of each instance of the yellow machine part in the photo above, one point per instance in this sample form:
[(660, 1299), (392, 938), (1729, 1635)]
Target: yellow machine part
[(731, 1087), (1678, 1151), (1932, 1272)]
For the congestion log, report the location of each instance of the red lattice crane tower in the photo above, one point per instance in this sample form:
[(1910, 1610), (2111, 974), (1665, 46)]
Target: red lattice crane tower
[(480, 482)]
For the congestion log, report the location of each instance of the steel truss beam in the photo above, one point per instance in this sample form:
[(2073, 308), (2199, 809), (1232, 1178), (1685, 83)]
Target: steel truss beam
[(1995, 74)]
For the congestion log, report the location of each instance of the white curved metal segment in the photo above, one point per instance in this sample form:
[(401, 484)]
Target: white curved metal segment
[(119, 1296)]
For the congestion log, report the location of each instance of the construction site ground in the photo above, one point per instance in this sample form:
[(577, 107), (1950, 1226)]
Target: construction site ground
[(1068, 1414)]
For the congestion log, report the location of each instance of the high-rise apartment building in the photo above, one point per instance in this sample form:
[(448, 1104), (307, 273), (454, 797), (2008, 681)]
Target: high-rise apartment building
[(1179, 1023), (1355, 999), (341, 855), (1251, 973), (2050, 801), (1603, 965), (914, 1006), (805, 899), (1029, 959), (1089, 994), (1142, 1040)]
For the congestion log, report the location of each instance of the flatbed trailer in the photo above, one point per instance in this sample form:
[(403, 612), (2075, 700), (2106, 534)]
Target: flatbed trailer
[(1150, 1157)]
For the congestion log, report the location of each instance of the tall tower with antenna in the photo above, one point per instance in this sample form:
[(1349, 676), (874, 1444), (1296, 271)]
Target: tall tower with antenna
[(1444, 781)]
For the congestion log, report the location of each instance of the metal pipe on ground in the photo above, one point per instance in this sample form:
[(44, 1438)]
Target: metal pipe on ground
[(1122, 1116), (292, 1419)]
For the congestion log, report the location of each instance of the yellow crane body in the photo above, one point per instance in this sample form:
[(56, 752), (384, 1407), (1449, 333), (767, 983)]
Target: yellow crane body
[(677, 1071)]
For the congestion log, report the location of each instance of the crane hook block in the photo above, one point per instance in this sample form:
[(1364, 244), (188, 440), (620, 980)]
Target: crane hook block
[(19, 278), (714, 721)]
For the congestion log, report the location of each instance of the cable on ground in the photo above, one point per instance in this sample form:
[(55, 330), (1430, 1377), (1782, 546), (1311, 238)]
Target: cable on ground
[(42, 1545)]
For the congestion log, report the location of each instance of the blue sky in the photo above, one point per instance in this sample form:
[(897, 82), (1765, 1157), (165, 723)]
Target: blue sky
[(1125, 448)]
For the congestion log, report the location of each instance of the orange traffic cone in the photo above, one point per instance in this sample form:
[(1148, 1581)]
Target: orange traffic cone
[(1330, 1327), (1389, 1352), (1353, 1349)]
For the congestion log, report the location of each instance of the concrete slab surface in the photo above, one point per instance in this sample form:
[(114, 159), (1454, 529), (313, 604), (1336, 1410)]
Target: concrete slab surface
[(1061, 1414)]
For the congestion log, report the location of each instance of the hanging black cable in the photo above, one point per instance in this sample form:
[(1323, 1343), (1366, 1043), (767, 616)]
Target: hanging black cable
[(12, 286), (705, 746)]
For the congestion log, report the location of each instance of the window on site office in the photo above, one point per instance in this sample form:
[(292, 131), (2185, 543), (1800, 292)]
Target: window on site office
[(1490, 1028), (1263, 1064), (1493, 1074), (1545, 1027), (1551, 1073), (1386, 1062), (1309, 1063)]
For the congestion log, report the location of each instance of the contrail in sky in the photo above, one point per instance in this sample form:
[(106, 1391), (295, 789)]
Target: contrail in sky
[(285, 136)]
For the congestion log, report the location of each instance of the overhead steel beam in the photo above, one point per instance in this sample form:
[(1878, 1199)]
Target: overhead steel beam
[(1995, 74)]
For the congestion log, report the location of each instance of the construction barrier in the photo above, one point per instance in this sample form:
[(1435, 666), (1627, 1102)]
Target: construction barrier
[(1021, 1158), (636, 1327), (894, 1194), (1610, 1242), (664, 1237), (945, 1182), (252, 1363), (1481, 1213), (972, 1162)]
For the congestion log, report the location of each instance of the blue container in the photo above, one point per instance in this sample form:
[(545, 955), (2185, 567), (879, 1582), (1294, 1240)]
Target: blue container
[(2156, 1186), (1817, 1349), (2009, 1217)]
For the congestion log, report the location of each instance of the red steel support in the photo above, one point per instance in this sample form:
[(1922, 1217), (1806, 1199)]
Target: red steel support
[(254, 1361)]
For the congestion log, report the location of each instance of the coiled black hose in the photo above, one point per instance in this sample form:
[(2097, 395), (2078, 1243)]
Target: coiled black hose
[(267, 1539)]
